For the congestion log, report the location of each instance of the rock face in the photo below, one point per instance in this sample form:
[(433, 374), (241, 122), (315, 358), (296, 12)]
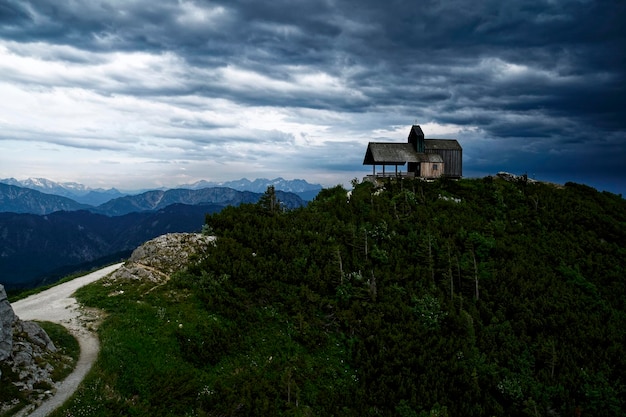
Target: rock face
[(22, 346), (158, 258), (7, 320)]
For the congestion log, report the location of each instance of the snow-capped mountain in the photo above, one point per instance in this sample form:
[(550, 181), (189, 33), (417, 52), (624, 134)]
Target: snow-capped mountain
[(76, 191), (43, 185)]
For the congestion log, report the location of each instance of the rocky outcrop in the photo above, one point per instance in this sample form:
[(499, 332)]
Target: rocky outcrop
[(515, 178), (7, 320), (158, 258), (30, 344), (23, 345)]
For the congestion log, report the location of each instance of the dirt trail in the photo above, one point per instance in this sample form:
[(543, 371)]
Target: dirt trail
[(58, 305)]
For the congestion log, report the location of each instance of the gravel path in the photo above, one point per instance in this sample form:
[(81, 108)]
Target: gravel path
[(58, 305)]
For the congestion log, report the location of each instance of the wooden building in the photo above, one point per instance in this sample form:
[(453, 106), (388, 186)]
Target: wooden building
[(424, 158)]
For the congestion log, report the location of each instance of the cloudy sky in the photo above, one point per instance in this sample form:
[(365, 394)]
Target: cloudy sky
[(143, 93)]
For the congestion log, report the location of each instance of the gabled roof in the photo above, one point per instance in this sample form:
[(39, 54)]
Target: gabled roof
[(385, 153), (432, 144)]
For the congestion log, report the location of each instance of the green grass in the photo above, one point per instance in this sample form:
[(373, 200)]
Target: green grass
[(163, 353), (140, 370)]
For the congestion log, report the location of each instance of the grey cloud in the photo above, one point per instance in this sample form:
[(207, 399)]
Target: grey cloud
[(195, 123), (529, 75)]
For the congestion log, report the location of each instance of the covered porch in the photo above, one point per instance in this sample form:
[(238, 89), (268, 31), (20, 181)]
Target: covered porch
[(389, 157)]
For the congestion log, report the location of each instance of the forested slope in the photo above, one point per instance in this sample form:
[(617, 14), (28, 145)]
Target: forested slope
[(453, 298)]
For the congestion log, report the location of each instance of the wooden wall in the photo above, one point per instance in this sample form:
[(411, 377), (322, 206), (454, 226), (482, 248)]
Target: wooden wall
[(452, 160), (427, 169)]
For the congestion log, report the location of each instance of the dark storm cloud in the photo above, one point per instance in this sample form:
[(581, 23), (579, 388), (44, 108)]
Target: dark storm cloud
[(534, 82)]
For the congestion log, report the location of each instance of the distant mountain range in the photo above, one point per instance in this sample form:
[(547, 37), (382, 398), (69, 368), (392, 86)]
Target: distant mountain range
[(44, 236), (302, 188), (95, 197), (155, 200), (75, 191), (24, 200)]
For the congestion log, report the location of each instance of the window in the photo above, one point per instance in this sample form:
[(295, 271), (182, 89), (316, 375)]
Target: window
[(435, 167)]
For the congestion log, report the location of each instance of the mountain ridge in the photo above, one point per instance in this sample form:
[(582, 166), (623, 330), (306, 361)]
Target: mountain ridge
[(23, 200), (97, 196), (158, 199), (73, 190), (259, 185)]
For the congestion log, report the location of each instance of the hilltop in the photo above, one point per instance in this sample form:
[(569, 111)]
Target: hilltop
[(470, 297)]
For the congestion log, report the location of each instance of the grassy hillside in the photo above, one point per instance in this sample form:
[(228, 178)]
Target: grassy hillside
[(471, 297)]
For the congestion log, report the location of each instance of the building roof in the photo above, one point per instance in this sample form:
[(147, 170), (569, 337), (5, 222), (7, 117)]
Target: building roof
[(417, 130), (451, 144), (385, 153)]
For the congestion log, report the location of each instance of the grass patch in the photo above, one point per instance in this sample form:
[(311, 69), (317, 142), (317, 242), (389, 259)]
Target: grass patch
[(140, 370), (164, 353)]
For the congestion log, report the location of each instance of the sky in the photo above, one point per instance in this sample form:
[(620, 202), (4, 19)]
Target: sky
[(142, 93)]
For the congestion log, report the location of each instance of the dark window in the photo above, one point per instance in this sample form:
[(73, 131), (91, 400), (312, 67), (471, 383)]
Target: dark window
[(435, 167)]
